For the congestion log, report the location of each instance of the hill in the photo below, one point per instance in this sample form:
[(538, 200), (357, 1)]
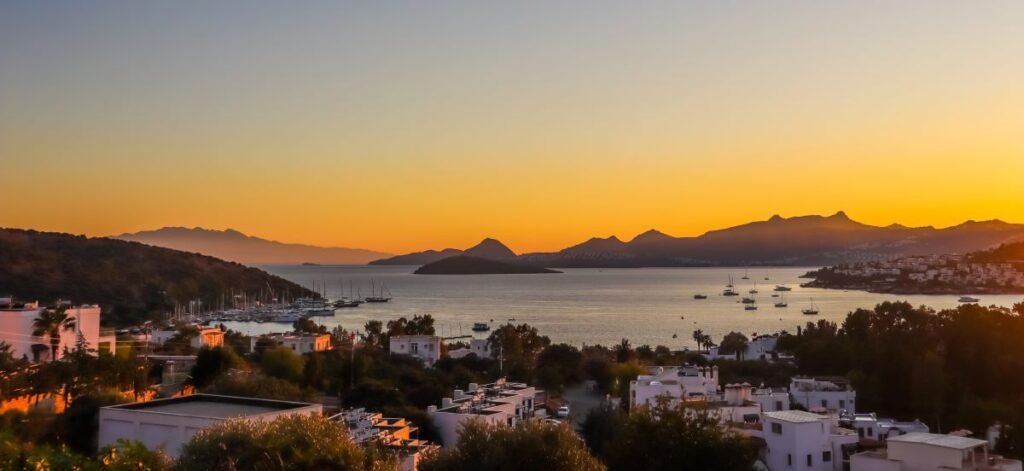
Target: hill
[(130, 281), (235, 246), (488, 248), (470, 265), (802, 240)]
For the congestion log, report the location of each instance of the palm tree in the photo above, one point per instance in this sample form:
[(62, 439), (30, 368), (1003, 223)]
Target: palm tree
[(50, 323), (698, 335)]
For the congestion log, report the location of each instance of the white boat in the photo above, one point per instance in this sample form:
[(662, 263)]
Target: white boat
[(783, 288), (968, 299), (481, 327)]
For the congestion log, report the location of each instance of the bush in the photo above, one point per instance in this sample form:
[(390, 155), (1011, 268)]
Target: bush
[(533, 445), (292, 442)]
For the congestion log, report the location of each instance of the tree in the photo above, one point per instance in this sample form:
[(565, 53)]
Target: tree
[(51, 322), (669, 437), (211, 363), (291, 442), (418, 325), (282, 362), (307, 325), (532, 445), (373, 334), (698, 336), (517, 347), (623, 351), (734, 343), (558, 366), (130, 455)]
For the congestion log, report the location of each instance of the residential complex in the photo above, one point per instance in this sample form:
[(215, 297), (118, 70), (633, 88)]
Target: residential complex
[(676, 382), (501, 402), (394, 434), (823, 394)]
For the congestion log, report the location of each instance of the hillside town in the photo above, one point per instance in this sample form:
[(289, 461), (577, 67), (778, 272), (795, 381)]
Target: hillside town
[(192, 378), (933, 274)]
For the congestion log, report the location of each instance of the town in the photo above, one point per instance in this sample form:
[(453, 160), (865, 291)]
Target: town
[(406, 398), (932, 274)]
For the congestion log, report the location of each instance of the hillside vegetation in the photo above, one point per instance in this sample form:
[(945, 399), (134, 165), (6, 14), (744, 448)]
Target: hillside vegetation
[(129, 280)]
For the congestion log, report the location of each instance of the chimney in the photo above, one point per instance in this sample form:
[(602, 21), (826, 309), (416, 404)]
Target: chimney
[(431, 410), (459, 394), (472, 387), (446, 402)]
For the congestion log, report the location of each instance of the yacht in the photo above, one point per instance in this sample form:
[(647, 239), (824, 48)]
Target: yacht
[(345, 302), (753, 290), (729, 292), (750, 307), (700, 296), (374, 297), (481, 327), (811, 311), (746, 275), (286, 316), (967, 299), (730, 282), (748, 301), (782, 302), (783, 288), (320, 311)]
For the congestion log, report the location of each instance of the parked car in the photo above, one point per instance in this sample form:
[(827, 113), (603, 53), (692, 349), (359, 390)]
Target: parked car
[(563, 412)]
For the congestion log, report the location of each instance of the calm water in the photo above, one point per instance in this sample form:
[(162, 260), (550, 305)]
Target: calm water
[(592, 306)]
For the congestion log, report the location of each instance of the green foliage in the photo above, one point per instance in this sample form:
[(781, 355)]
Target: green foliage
[(50, 323), (307, 325), (259, 386), (900, 358), (734, 343), (128, 455), (78, 425), (518, 346), (559, 366), (418, 325), (211, 363), (281, 362), (532, 445), (132, 281), (293, 442), (666, 437)]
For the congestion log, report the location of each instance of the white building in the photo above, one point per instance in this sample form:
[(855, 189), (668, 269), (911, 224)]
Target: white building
[(832, 394), (770, 400), (929, 451), (424, 347), (16, 319), (761, 347), (298, 343), (690, 383), (478, 347), (500, 402), (393, 434), (170, 423), (871, 427), (798, 440)]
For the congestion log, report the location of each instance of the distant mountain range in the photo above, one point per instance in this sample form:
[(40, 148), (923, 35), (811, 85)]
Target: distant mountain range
[(130, 281), (778, 241), (237, 247), (488, 248)]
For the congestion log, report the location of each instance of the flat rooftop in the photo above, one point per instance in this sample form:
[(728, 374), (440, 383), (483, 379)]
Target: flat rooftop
[(935, 439), (795, 416), (212, 406)]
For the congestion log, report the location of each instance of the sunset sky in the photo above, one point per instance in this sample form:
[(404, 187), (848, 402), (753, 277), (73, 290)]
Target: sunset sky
[(401, 126)]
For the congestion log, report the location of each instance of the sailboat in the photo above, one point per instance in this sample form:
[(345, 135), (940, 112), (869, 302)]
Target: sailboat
[(374, 298), (782, 302), (753, 290), (728, 289), (746, 274), (811, 311)]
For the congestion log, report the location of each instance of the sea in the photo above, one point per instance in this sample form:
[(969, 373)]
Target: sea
[(587, 306)]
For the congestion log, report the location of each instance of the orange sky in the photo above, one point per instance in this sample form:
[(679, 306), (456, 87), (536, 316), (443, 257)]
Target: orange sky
[(404, 129)]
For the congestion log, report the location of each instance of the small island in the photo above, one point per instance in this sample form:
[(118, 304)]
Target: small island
[(469, 265)]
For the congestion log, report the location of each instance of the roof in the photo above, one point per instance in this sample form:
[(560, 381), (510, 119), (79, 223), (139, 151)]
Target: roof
[(945, 441), (795, 416), (211, 406)]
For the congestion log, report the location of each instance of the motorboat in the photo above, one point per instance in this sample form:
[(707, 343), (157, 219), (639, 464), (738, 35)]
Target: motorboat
[(481, 327), (967, 299), (700, 296), (783, 288)]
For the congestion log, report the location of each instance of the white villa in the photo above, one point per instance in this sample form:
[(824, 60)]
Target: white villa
[(16, 319), (498, 402), (425, 347), (689, 383), (832, 394), (798, 440), (298, 343)]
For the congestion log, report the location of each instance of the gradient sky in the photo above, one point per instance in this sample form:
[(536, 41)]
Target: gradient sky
[(408, 125)]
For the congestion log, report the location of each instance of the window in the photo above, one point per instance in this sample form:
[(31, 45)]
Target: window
[(842, 403), (871, 432), (810, 460), (826, 456), (777, 428), (824, 403), (778, 405)]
